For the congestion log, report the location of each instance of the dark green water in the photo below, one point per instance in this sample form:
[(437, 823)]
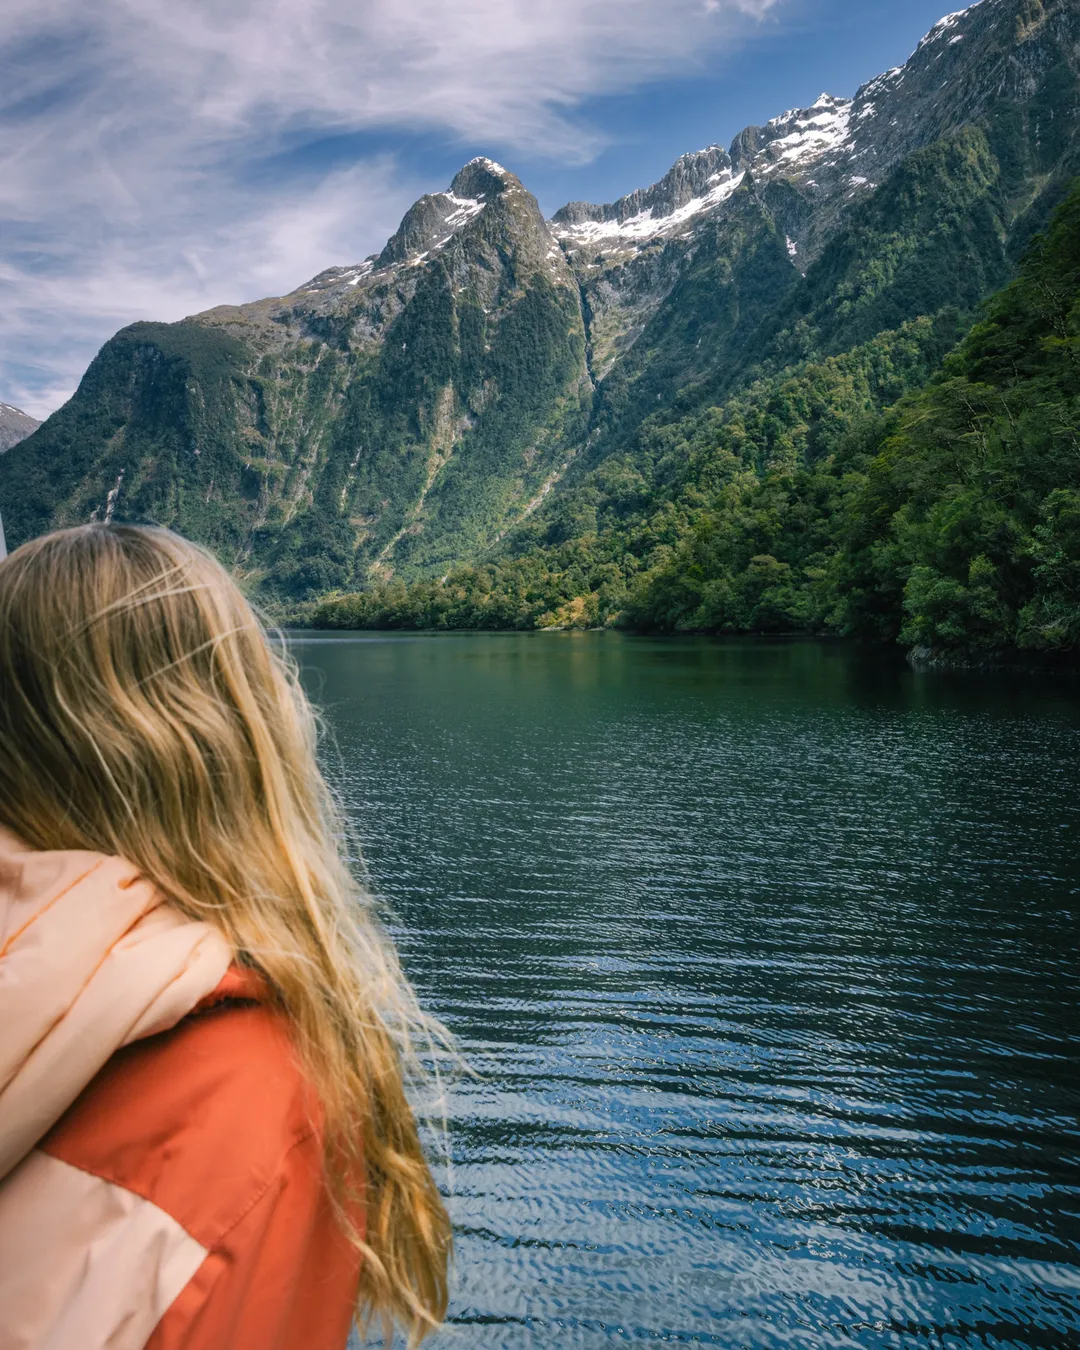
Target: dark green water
[(768, 957)]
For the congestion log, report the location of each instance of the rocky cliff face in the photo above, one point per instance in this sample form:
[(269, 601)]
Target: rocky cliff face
[(1010, 66), (400, 414), (15, 426)]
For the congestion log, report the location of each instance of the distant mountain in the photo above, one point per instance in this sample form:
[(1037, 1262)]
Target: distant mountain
[(466, 393), (15, 426)]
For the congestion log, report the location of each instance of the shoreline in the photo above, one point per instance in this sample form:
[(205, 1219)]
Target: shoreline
[(921, 660)]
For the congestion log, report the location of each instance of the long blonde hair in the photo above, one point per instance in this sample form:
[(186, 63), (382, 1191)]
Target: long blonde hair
[(144, 713)]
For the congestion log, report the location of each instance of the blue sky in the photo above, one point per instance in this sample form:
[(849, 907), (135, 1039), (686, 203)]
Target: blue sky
[(799, 51), (158, 157)]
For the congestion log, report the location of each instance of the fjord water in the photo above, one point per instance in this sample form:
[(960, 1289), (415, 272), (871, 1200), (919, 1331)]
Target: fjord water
[(767, 957)]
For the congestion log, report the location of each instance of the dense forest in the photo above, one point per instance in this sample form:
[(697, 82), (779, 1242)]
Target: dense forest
[(949, 520)]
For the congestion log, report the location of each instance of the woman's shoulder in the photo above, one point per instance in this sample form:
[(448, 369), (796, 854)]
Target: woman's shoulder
[(188, 1174), (202, 1120)]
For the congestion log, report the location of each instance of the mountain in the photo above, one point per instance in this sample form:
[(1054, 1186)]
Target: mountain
[(390, 414), (920, 192), (15, 426), (493, 386), (949, 522)]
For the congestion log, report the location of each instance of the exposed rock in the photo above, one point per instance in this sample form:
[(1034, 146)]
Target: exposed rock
[(15, 426)]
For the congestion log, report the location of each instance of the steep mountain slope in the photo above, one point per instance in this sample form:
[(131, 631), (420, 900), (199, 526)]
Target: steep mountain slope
[(920, 192), (492, 384), (952, 521), (15, 426)]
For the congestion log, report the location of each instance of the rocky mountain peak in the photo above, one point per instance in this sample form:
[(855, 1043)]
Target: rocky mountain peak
[(695, 184), (483, 221), (429, 223), (482, 178), (438, 217)]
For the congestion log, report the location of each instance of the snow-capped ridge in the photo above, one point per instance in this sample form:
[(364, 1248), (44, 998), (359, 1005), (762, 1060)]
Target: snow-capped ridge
[(944, 25), (649, 224), (830, 152), (837, 147), (804, 136), (703, 180), (823, 101), (694, 182)]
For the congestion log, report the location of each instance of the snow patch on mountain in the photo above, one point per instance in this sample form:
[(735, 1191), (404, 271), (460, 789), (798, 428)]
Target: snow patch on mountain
[(647, 224), (881, 83), (809, 135), (491, 165), (339, 277), (944, 26), (15, 426), (464, 209)]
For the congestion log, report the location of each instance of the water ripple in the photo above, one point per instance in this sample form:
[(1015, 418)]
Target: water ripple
[(766, 959)]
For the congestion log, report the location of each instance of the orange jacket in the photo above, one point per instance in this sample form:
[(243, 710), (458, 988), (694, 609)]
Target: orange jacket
[(161, 1179)]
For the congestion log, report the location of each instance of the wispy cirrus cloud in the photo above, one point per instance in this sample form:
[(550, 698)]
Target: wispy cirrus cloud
[(130, 130)]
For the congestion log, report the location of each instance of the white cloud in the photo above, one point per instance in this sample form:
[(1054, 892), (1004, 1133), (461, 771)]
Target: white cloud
[(61, 305), (129, 131)]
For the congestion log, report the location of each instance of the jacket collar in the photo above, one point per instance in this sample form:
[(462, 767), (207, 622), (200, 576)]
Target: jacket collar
[(91, 959)]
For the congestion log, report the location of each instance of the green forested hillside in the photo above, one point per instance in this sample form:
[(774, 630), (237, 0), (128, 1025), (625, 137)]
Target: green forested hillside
[(965, 528), (379, 420), (138, 392), (951, 519)]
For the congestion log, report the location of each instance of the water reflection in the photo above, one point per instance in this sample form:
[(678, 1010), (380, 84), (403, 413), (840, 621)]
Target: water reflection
[(767, 954)]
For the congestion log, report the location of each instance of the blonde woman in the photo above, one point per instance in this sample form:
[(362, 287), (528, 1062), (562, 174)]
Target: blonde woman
[(205, 1142)]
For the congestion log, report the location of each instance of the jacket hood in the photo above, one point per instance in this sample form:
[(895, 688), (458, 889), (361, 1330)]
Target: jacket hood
[(91, 959)]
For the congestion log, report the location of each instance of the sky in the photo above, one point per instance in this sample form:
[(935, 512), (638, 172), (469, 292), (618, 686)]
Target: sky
[(158, 157)]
